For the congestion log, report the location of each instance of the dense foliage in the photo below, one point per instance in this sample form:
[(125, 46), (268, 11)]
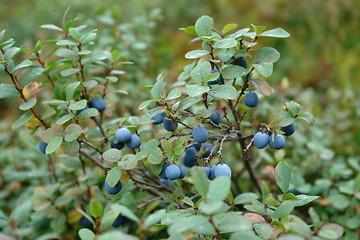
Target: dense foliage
[(79, 132)]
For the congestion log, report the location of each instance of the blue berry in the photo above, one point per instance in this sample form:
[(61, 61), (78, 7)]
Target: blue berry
[(215, 117), (123, 135), (113, 190), (85, 223), (207, 148), (206, 171), (159, 118), (200, 134), (172, 172), (42, 146), (277, 141), (251, 99), (190, 157), (99, 103), (166, 183), (261, 140), (222, 169), (289, 129), (170, 125), (182, 171), (79, 111), (217, 80), (162, 173), (134, 142), (115, 144), (212, 172)]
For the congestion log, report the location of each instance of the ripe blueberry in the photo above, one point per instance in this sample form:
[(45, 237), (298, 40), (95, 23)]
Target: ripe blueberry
[(289, 129), (212, 172), (98, 103), (85, 223), (134, 142), (172, 172), (170, 125), (206, 170), (159, 118), (200, 134), (277, 141), (217, 80), (251, 99), (222, 169), (42, 146), (240, 62), (113, 190), (190, 157), (166, 183), (182, 171), (79, 111), (208, 150), (261, 140), (123, 135), (115, 144)]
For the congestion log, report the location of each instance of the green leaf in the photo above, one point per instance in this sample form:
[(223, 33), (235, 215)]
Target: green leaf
[(304, 199), (54, 145), (245, 198), (91, 112), (154, 218), (283, 210), (10, 53), (239, 33), (264, 230), (64, 119), (212, 77), (115, 55), (146, 103), (256, 207), (200, 180), (190, 30), (261, 86), (66, 42), (23, 64), (266, 55), (233, 71), (151, 113), (307, 117), (113, 176), (196, 54), (196, 90), (315, 219), (245, 234), (226, 43), (22, 120), (331, 231), (175, 93), (158, 87), (283, 119), (66, 53), (125, 211), (96, 208), (225, 54), (71, 148), (258, 29), (69, 72), (283, 176), (108, 219), (70, 89), (166, 144), (226, 224), (51, 27), (128, 162), (224, 92), (33, 75), (112, 155), (29, 104), (276, 32), (72, 132), (8, 90), (204, 25), (218, 189), (228, 28), (188, 201), (78, 105), (86, 39), (75, 33), (188, 102), (200, 72), (293, 108)]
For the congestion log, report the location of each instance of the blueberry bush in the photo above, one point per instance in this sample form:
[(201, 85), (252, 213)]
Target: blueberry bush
[(178, 160)]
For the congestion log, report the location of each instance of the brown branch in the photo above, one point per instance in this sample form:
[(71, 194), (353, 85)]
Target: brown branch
[(94, 160), (42, 63)]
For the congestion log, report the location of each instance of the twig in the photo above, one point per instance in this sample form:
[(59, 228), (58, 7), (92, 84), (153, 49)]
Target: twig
[(149, 201), (94, 160)]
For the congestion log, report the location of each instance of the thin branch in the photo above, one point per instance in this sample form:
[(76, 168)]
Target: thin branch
[(94, 160)]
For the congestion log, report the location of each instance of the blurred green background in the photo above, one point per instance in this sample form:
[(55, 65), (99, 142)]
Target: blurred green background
[(319, 68)]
